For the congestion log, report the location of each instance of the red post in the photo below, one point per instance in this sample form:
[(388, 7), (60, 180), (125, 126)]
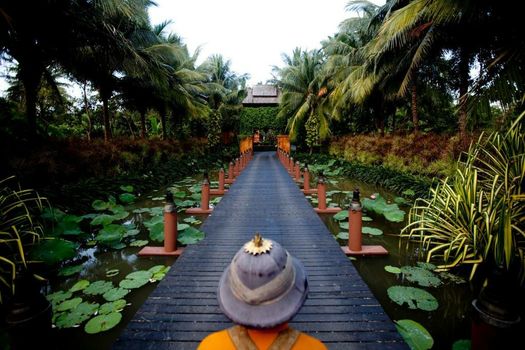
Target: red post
[(221, 179), (230, 171), (321, 194), (355, 221), (205, 194), (306, 182), (170, 224), (297, 169), (290, 165), (236, 170)]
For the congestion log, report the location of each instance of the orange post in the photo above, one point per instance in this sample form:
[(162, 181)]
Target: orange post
[(355, 234), (290, 165), (306, 182), (220, 191), (236, 168), (297, 171), (321, 198), (205, 199), (230, 178), (170, 233)]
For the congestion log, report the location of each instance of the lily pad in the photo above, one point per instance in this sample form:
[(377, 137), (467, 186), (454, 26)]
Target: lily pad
[(141, 211), (192, 221), (154, 221), (371, 231), (426, 266), (156, 232), (80, 285), (118, 245), (103, 219), (52, 251), (115, 294), (127, 188), (342, 235), (59, 296), (135, 279), (102, 323), (344, 225), (400, 200), (98, 287), (190, 236), (180, 195), (392, 269), (70, 319), (182, 227), (112, 306), (127, 198), (366, 218), (139, 243), (416, 336), (112, 272), (86, 308), (100, 205), (131, 233), (452, 278), (111, 234), (70, 270), (342, 215), (158, 271), (69, 304), (379, 205), (462, 344), (423, 277), (415, 298)]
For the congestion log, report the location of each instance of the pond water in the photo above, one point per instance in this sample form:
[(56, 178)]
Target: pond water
[(450, 322)]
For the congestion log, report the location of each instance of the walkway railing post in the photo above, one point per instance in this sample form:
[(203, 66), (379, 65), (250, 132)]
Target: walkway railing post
[(230, 178), (297, 171), (236, 170), (205, 199), (355, 233), (306, 182), (219, 191), (290, 166), (321, 193), (170, 232)]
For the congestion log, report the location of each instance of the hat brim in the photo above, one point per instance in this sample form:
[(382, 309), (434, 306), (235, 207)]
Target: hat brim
[(266, 315)]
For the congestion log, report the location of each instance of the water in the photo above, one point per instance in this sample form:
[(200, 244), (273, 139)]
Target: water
[(451, 321)]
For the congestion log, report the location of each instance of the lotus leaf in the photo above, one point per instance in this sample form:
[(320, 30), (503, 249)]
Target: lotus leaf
[(115, 294), (127, 197), (185, 204), (136, 279), (452, 278), (156, 211), (180, 195), (379, 205), (156, 232), (423, 277), (159, 272), (86, 308), (70, 319), (190, 236), (98, 287), (182, 227), (131, 233), (416, 336), (68, 225), (408, 192), (192, 220), (416, 298), (426, 266), (52, 214), (100, 205), (392, 269), (400, 200), (52, 251), (157, 198), (59, 296), (216, 200), (110, 234), (127, 188), (366, 218), (139, 243), (196, 196), (102, 323), (141, 210), (344, 225), (80, 285), (119, 215), (70, 270), (371, 231), (342, 235), (118, 245), (69, 304), (394, 215), (89, 216), (342, 215), (112, 272), (112, 306), (195, 188), (103, 219), (154, 220), (462, 344)]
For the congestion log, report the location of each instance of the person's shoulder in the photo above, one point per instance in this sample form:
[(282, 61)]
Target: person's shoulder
[(218, 340), (306, 341)]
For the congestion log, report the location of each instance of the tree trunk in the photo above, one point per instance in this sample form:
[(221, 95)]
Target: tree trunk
[(87, 111), (107, 124), (463, 90), (415, 117), (143, 124), (31, 79)]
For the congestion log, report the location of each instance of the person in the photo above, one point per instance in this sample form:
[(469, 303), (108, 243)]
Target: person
[(260, 291)]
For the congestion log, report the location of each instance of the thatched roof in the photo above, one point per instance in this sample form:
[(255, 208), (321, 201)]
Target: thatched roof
[(262, 95)]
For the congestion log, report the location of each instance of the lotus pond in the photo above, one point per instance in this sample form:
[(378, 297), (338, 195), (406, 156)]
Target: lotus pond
[(100, 291)]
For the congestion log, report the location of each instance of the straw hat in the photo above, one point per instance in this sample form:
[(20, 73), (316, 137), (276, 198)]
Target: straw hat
[(264, 286)]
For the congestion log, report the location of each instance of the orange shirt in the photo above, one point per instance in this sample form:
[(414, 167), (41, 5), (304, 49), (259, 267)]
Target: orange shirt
[(262, 338)]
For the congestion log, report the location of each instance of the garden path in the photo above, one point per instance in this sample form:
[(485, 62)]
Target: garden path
[(340, 309)]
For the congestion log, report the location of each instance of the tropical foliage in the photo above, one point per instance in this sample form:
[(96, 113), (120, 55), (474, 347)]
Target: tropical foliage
[(476, 216)]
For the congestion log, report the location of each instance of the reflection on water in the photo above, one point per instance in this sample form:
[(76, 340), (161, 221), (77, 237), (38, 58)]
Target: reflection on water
[(451, 321)]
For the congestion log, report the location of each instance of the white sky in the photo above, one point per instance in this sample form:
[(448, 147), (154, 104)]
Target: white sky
[(252, 34)]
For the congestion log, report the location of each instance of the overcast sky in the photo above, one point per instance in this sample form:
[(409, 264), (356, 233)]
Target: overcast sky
[(252, 34)]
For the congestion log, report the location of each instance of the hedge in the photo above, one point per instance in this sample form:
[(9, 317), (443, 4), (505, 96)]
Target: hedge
[(262, 118)]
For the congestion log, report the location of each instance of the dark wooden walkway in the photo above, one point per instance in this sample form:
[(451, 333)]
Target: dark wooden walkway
[(340, 309)]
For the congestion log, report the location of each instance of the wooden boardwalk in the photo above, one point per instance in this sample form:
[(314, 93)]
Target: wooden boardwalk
[(340, 309)]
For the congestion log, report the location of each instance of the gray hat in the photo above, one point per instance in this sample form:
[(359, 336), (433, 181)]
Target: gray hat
[(264, 286)]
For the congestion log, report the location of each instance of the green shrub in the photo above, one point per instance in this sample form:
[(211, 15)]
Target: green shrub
[(262, 118)]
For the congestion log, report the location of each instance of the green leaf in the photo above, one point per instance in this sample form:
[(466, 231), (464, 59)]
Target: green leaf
[(136, 279), (452, 278), (100, 205), (98, 288), (69, 304), (112, 272), (131, 233), (371, 231), (415, 298), (182, 227), (127, 198), (342, 235), (423, 277), (103, 219), (154, 221), (344, 225), (111, 234), (392, 269), (156, 232), (159, 272), (59, 296), (70, 319), (408, 192), (53, 251), (127, 188), (113, 306), (426, 266), (190, 236), (102, 323), (70, 270), (342, 215), (366, 218), (115, 294), (87, 308), (80, 285), (416, 336), (139, 243), (462, 344), (192, 221), (180, 195)]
